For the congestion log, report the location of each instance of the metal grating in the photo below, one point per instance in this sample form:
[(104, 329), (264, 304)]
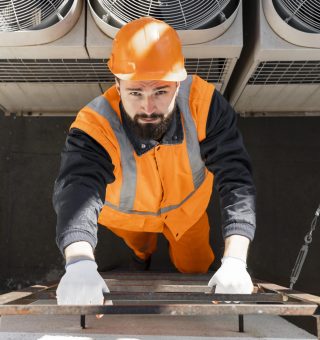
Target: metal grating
[(300, 14), (171, 294), (286, 72), (93, 70), (180, 14), (213, 70), (30, 14)]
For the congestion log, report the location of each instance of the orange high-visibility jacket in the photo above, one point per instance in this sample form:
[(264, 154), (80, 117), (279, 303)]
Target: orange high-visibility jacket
[(168, 184)]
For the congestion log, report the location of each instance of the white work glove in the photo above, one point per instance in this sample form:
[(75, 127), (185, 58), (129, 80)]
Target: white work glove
[(81, 285), (232, 277)]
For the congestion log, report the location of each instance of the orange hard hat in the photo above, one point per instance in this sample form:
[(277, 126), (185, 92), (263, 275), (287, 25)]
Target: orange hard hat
[(147, 49)]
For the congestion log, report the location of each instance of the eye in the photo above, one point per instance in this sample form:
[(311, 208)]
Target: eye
[(135, 94), (161, 92)]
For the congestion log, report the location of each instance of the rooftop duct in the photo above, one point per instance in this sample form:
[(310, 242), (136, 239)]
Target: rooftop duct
[(44, 64), (279, 71)]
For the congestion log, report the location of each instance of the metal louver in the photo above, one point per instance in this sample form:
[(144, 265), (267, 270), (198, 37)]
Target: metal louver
[(296, 21), (196, 21), (34, 22), (91, 70)]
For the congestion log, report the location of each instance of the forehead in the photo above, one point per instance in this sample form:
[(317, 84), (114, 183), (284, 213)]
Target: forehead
[(146, 85)]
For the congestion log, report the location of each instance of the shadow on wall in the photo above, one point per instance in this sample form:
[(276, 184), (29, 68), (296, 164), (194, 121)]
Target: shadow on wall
[(285, 155)]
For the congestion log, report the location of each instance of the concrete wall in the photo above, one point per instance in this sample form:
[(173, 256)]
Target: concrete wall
[(286, 159)]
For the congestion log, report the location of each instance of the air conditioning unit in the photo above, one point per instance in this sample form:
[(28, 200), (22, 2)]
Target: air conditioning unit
[(210, 31), (279, 71), (44, 65)]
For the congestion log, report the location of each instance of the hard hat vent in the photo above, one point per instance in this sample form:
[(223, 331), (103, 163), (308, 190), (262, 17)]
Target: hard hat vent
[(22, 15), (302, 15), (180, 14)]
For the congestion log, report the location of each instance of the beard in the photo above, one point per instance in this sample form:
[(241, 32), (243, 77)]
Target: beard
[(149, 131)]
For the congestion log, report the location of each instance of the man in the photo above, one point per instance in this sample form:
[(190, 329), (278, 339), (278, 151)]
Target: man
[(141, 160)]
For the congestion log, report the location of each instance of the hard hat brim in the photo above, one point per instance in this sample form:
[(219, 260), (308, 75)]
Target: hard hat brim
[(176, 76)]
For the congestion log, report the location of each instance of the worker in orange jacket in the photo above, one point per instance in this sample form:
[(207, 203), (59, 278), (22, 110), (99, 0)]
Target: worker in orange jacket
[(141, 160)]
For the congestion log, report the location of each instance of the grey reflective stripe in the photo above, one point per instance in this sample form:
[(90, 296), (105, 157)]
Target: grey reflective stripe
[(128, 163), (130, 211), (158, 213), (196, 163)]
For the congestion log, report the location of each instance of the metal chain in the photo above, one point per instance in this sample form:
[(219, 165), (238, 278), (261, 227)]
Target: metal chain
[(304, 250)]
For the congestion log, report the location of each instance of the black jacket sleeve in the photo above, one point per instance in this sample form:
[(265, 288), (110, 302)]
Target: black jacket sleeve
[(79, 191), (226, 157)]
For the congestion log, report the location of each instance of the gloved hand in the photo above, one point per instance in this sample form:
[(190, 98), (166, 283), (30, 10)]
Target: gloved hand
[(81, 285), (232, 277)]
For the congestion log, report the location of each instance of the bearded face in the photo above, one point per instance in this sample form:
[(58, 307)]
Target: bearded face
[(148, 106)]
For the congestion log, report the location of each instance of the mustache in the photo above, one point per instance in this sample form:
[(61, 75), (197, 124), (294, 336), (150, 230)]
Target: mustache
[(152, 115)]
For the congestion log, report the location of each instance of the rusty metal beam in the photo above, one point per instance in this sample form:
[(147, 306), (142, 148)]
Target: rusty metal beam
[(157, 276), (158, 288), (192, 297), (163, 309), (170, 297)]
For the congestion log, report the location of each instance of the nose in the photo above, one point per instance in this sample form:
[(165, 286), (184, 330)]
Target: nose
[(149, 105)]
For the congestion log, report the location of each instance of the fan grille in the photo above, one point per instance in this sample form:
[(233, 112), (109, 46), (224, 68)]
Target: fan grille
[(18, 15), (93, 70), (303, 15), (180, 14), (286, 72)]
